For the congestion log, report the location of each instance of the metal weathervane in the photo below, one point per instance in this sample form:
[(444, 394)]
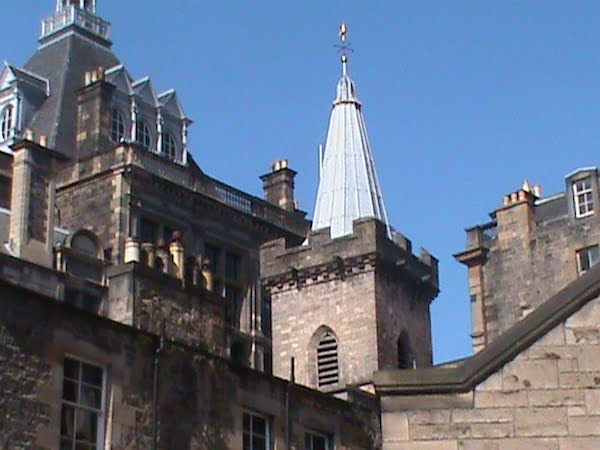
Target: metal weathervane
[(345, 46)]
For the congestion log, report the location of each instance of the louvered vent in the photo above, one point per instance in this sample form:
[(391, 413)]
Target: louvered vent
[(327, 360)]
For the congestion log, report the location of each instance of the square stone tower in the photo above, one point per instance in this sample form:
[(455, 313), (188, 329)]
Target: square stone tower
[(352, 299), (344, 308)]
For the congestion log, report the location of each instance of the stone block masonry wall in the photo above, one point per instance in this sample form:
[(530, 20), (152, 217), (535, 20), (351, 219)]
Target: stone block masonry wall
[(202, 397), (547, 398), (347, 308), (95, 204), (524, 268), (401, 307)]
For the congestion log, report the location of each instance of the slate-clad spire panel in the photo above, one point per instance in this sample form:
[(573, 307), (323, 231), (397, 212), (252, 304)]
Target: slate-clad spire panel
[(348, 188)]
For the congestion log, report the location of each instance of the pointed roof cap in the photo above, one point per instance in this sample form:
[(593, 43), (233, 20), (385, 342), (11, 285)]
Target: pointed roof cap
[(349, 188)]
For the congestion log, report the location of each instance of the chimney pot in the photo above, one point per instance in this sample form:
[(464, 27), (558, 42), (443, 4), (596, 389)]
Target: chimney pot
[(43, 140)]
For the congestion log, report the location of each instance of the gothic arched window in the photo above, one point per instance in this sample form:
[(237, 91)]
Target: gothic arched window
[(117, 126), (405, 356), (6, 123), (169, 147), (143, 135), (328, 371)]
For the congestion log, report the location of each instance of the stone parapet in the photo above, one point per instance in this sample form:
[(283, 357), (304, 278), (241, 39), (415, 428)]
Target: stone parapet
[(323, 258)]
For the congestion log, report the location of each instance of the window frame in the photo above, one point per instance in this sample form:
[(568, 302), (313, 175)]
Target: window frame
[(101, 419), (584, 197), (585, 251), (7, 122), (117, 118), (169, 148), (141, 125), (268, 429), (310, 433)]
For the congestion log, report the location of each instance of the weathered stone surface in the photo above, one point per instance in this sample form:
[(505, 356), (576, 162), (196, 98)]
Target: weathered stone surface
[(532, 402)]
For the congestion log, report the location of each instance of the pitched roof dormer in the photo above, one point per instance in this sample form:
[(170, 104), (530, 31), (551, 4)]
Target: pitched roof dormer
[(144, 90), (170, 102)]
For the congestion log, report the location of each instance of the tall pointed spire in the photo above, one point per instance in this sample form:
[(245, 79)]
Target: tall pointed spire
[(349, 188)]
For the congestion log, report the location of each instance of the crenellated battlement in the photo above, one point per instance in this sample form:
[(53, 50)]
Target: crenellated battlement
[(369, 248)]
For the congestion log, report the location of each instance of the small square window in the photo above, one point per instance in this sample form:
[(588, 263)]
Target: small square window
[(317, 441), (583, 198), (587, 258), (256, 432)]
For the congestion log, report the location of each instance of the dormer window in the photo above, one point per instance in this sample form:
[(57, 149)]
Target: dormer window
[(143, 135), (583, 198), (7, 123), (169, 147), (117, 126)]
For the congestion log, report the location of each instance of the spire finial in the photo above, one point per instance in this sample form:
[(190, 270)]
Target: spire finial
[(344, 48)]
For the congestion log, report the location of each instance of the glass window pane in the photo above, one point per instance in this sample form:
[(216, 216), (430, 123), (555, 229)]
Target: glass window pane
[(319, 443), (86, 426), (83, 446), (247, 445), (71, 369), (259, 426), (246, 423), (67, 421), (66, 444), (91, 375), (70, 391), (91, 397), (259, 443)]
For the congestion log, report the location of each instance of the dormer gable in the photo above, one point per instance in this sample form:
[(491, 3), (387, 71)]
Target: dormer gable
[(12, 75), (144, 91), (121, 79), (171, 104)]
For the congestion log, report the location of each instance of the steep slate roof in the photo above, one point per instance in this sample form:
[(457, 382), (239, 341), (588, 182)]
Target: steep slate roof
[(474, 370), (64, 62), (348, 188)]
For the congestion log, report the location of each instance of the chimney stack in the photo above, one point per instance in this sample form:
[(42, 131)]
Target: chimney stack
[(278, 185), (31, 228)]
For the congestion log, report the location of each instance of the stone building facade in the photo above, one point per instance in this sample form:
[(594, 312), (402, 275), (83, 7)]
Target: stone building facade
[(537, 386), (128, 320), (532, 248)]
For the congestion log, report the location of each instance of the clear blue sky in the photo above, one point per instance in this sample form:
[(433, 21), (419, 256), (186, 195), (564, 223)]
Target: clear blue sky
[(463, 100)]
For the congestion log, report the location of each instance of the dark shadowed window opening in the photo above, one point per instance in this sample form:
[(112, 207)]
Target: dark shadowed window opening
[(587, 258), (405, 356), (148, 231), (117, 126), (316, 441), (256, 432), (5, 192)]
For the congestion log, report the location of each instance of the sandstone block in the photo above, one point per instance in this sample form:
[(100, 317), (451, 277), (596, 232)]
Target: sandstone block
[(541, 422)]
